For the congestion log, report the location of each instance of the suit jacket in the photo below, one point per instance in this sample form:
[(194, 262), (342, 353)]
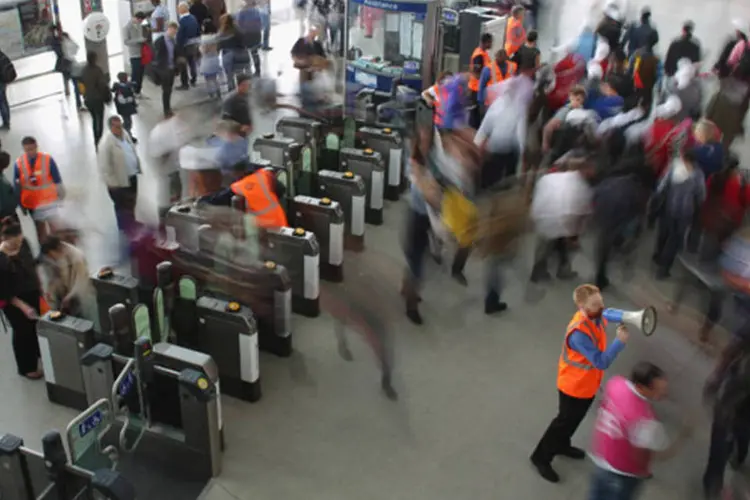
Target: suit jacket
[(189, 30), (161, 56)]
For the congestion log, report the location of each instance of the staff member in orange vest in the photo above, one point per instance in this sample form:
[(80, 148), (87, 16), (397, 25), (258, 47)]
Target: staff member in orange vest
[(435, 97), (480, 59), (262, 192), (498, 71), (515, 33), (584, 358), (38, 184)]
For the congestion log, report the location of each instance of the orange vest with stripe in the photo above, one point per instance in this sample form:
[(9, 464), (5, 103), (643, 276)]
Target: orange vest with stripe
[(576, 376), (260, 199), (438, 111), (515, 36), (473, 80), (496, 76), (35, 181)]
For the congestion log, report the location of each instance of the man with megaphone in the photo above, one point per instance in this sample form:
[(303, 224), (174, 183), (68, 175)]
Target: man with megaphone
[(585, 356)]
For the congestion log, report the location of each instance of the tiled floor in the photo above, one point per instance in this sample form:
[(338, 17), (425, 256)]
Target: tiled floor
[(475, 392)]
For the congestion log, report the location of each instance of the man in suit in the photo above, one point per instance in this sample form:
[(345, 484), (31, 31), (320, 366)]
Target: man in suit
[(168, 58), (188, 35)]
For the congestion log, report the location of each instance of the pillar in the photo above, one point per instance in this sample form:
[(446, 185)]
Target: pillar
[(100, 48)]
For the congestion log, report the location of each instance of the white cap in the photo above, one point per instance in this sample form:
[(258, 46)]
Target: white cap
[(594, 70), (602, 50), (740, 25), (670, 108)]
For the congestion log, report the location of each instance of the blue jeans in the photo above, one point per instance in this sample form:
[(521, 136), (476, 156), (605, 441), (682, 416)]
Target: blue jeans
[(607, 485), (4, 106), (494, 275), (136, 73)]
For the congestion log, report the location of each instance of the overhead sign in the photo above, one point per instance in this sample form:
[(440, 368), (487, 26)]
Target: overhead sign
[(414, 7), (449, 17)]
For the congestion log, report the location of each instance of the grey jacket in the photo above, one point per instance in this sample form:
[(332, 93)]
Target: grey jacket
[(133, 38), (111, 161)]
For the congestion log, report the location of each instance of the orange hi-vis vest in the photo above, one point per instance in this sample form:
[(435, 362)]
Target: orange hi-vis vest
[(473, 80), (37, 186), (496, 76), (515, 36), (260, 199), (438, 111), (576, 376)]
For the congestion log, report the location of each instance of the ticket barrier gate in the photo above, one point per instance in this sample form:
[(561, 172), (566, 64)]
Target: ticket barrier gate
[(369, 165), (113, 288), (156, 423), (182, 222), (26, 474), (308, 133), (349, 191), (63, 340), (388, 143), (325, 219), (283, 152)]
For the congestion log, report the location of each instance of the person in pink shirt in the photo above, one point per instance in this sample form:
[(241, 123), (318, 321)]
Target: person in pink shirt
[(627, 434), (737, 51)]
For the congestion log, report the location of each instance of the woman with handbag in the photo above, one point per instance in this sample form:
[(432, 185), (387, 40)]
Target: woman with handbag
[(65, 49), (20, 298)]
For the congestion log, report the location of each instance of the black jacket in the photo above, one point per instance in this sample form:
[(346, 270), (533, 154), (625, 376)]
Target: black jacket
[(610, 30), (721, 66), (681, 48), (161, 55), (95, 83)]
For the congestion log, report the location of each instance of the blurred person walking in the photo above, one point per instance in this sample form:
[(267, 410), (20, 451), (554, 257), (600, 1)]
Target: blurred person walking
[(235, 58), (216, 10), (188, 37), (741, 30), (164, 144), (96, 94), (250, 26), (638, 35), (68, 287), (134, 37), (20, 296), (200, 12), (119, 167), (584, 358), (627, 434), (65, 50)]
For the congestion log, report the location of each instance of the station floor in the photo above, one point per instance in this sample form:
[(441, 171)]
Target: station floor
[(475, 392)]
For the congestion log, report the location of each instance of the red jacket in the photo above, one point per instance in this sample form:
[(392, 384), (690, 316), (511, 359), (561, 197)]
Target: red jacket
[(733, 202)]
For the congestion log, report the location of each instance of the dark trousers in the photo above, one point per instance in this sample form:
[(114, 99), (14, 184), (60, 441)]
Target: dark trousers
[(543, 250), (496, 167), (167, 85), (256, 60), (127, 123), (474, 111), (556, 438), (724, 441), (669, 239), (4, 106), (608, 238), (417, 242), (25, 344), (459, 260), (136, 73), (192, 67), (96, 110), (124, 201)]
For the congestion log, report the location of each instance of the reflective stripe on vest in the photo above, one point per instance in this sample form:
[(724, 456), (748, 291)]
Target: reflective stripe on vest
[(37, 186), (576, 376), (441, 97), (244, 187), (515, 36), (473, 80)]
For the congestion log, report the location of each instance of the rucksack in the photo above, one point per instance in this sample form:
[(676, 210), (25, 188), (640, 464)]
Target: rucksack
[(742, 70), (7, 69)]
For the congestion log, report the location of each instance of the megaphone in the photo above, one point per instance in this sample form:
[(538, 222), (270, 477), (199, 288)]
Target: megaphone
[(644, 319)]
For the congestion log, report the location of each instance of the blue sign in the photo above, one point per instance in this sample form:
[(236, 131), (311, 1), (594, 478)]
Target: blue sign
[(91, 423), (126, 385), (449, 17), (415, 7)]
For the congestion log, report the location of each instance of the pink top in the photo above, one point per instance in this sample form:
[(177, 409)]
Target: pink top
[(737, 51), (619, 442)]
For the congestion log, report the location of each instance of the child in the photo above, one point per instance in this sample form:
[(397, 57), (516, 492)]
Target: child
[(125, 104), (211, 65)]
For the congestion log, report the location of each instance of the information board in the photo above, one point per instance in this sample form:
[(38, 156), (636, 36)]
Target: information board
[(24, 27)]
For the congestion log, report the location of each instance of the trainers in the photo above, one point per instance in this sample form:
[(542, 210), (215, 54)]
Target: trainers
[(547, 472), (573, 452)]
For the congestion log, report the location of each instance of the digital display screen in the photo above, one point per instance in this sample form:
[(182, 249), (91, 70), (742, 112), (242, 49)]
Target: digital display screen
[(91, 423)]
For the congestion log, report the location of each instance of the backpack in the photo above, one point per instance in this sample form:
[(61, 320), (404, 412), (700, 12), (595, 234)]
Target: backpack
[(742, 69), (7, 70)]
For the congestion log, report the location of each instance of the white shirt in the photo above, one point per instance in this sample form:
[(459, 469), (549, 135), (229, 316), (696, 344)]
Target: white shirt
[(504, 124), (160, 12), (561, 200)]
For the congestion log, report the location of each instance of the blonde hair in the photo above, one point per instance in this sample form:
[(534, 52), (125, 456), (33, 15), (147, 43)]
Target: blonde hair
[(584, 292)]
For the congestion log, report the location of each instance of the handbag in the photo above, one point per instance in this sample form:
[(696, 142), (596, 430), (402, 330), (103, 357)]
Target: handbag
[(459, 215)]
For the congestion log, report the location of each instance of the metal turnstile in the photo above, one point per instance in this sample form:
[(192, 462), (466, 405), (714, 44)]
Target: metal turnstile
[(369, 165), (308, 133), (388, 143), (62, 341), (113, 288), (298, 251), (282, 152), (182, 222), (349, 190), (325, 219), (26, 474)]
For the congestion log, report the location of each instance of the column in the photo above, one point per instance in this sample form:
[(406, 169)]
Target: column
[(100, 48)]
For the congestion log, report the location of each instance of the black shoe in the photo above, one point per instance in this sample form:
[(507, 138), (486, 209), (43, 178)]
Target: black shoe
[(538, 276), (547, 472), (602, 282), (413, 314), (182, 87), (266, 49), (193, 83), (662, 274), (573, 452), (388, 390), (135, 141), (491, 307), (460, 278)]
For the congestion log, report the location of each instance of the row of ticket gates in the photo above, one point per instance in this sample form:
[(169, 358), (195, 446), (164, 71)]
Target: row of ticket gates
[(189, 326)]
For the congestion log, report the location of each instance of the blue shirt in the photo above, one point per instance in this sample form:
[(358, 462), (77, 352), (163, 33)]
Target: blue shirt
[(606, 106), (485, 78), (709, 157), (54, 172), (160, 12), (169, 43), (131, 159), (584, 345), (189, 29), (454, 109)]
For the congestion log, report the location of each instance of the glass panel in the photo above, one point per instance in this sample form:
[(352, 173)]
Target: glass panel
[(306, 159), (85, 434), (141, 322), (187, 289), (160, 313), (332, 141)]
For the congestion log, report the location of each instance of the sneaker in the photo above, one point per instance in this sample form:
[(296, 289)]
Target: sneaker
[(413, 314), (460, 278), (491, 307), (573, 452), (547, 472)]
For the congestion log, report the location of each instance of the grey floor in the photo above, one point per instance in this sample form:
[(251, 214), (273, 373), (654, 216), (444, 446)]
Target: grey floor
[(475, 392)]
